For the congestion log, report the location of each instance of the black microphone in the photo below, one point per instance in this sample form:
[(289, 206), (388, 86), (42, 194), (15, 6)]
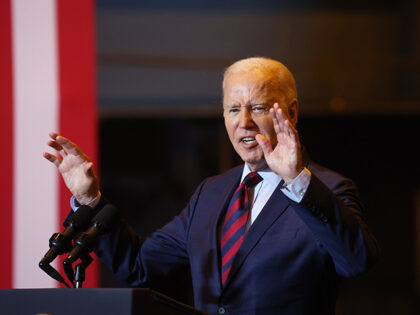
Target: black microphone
[(60, 243), (103, 222)]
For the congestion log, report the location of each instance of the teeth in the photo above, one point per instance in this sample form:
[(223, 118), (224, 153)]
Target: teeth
[(248, 139)]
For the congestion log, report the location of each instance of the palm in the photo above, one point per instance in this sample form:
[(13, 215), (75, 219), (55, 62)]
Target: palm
[(285, 159), (71, 169)]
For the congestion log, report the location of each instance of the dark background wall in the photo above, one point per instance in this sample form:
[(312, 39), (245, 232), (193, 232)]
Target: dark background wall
[(357, 69)]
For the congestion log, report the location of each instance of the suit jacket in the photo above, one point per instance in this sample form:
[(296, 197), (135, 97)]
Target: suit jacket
[(290, 261)]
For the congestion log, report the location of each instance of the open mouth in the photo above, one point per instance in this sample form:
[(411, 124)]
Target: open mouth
[(248, 140)]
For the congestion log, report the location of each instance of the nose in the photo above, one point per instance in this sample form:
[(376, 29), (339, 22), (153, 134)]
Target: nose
[(245, 119)]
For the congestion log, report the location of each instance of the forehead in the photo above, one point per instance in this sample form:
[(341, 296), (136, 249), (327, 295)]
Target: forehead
[(248, 87)]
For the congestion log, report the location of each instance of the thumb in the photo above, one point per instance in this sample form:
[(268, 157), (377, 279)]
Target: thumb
[(88, 168), (264, 144)]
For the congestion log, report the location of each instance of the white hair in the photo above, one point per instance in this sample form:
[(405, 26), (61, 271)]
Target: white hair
[(286, 81)]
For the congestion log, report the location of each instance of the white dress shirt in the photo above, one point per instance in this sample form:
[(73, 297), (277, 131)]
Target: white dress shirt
[(263, 191)]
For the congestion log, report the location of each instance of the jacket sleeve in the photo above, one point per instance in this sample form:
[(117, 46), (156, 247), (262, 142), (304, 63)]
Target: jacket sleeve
[(332, 210), (151, 261)]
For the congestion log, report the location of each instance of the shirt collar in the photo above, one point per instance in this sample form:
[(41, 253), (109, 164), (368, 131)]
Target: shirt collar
[(269, 177)]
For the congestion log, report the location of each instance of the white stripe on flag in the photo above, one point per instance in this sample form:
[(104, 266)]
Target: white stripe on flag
[(35, 114)]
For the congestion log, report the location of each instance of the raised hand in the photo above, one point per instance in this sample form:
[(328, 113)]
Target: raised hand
[(286, 158), (75, 168)]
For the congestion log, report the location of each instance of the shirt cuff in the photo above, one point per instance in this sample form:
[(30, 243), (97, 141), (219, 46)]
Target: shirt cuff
[(297, 188), (74, 204)]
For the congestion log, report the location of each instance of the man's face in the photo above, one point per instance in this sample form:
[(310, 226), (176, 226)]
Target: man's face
[(247, 99)]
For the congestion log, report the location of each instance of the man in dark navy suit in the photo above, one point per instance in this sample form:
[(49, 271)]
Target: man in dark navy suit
[(278, 245)]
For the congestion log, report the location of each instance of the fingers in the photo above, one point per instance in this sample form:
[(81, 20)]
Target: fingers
[(276, 123), (63, 145), (52, 158), (57, 147), (53, 144), (264, 144), (68, 146), (280, 121), (53, 135)]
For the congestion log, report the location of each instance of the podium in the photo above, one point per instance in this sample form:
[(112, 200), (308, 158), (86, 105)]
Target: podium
[(90, 302)]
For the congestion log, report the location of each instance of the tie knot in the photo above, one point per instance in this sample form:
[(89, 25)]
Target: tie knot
[(252, 179)]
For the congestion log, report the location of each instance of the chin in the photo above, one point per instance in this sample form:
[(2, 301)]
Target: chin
[(255, 162)]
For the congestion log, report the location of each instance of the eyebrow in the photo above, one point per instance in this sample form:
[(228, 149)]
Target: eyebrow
[(250, 105)]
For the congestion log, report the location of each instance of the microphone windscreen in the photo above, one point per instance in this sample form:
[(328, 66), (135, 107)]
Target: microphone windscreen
[(107, 218), (81, 218)]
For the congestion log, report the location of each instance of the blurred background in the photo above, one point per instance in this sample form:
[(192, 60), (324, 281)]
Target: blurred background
[(356, 63)]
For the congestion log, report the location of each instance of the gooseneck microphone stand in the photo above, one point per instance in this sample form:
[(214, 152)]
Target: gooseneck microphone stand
[(77, 277), (44, 264)]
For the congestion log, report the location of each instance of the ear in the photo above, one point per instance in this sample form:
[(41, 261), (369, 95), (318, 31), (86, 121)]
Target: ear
[(293, 109)]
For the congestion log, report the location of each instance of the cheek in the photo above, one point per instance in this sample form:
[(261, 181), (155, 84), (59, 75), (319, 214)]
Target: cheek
[(230, 126)]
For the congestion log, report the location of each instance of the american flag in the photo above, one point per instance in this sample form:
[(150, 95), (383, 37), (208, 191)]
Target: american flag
[(47, 83)]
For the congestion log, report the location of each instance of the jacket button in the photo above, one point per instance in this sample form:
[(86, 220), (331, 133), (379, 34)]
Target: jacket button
[(221, 310)]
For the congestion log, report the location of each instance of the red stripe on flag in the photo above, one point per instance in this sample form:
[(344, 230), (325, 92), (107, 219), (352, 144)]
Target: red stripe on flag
[(77, 90), (6, 145)]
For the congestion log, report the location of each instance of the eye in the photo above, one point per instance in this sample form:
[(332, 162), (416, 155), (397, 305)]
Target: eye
[(259, 109), (233, 110)]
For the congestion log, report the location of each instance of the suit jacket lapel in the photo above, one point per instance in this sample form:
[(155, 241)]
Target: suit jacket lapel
[(274, 208)]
